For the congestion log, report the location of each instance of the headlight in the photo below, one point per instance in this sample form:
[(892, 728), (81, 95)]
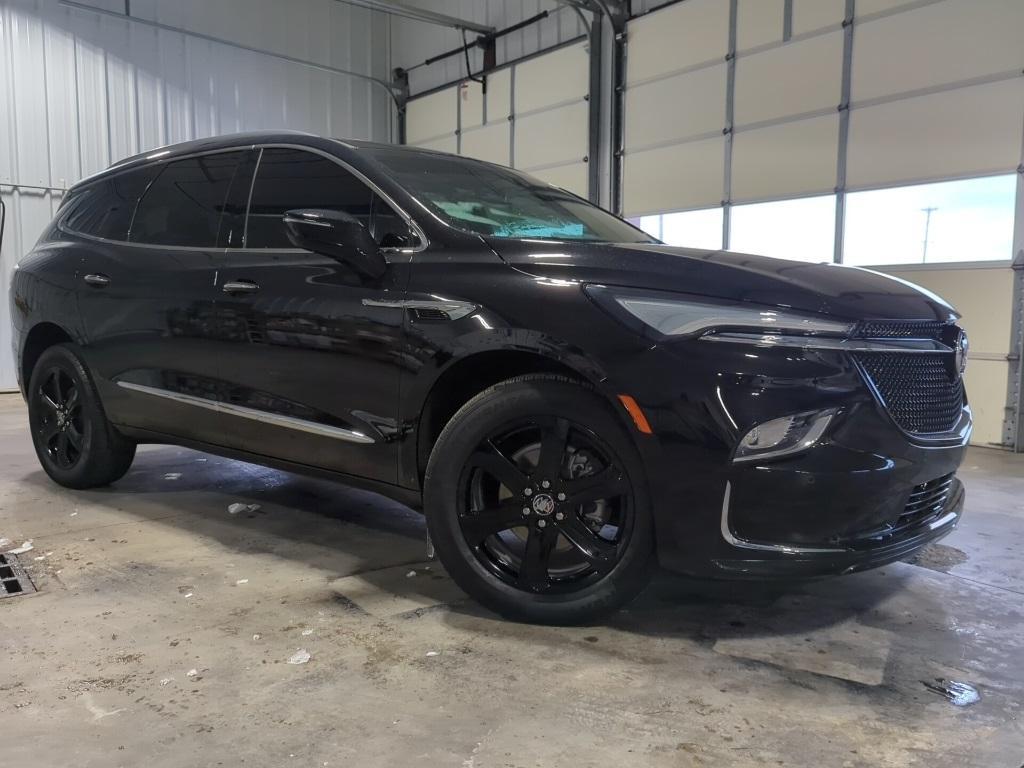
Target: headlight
[(784, 436), (674, 315)]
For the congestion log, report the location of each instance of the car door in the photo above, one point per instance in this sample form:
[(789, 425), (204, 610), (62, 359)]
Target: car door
[(148, 304), (314, 378)]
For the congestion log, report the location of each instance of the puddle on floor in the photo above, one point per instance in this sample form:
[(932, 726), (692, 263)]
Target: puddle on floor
[(938, 557)]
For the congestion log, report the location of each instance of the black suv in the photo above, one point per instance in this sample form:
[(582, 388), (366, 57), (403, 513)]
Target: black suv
[(569, 400)]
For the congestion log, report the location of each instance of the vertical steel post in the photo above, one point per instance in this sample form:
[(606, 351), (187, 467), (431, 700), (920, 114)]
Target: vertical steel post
[(594, 113), (844, 132), (730, 99)]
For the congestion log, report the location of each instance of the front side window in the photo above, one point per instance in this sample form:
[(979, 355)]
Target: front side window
[(499, 202), (291, 179), (184, 205), (105, 208)]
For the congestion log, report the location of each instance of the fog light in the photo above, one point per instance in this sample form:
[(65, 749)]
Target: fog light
[(785, 436)]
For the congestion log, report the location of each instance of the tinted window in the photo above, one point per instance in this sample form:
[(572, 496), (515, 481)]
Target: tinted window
[(184, 205), (388, 228), (500, 202), (105, 208), (291, 178)]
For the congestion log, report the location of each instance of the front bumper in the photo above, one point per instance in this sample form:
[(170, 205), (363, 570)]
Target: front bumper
[(831, 509), (758, 560)]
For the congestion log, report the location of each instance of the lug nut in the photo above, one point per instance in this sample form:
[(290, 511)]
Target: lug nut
[(561, 497), (559, 516), (541, 523), (546, 484), (528, 492), (526, 510)]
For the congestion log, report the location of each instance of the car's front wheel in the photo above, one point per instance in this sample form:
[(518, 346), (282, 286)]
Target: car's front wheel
[(536, 502), (76, 445)]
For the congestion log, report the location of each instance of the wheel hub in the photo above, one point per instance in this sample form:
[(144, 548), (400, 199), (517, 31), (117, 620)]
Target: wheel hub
[(543, 504)]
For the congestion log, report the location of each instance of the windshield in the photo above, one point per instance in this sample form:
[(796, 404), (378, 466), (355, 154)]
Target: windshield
[(500, 202)]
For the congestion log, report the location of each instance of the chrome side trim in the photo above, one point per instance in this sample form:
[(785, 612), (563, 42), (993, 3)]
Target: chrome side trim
[(275, 419), (454, 309), (904, 346), (786, 549)]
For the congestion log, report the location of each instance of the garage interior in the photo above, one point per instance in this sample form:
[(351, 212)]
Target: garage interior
[(204, 611)]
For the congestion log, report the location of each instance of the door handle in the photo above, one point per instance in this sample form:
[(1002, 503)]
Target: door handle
[(240, 286), (98, 280)]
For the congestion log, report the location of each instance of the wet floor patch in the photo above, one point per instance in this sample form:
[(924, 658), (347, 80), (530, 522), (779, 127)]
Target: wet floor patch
[(958, 694), (938, 557)]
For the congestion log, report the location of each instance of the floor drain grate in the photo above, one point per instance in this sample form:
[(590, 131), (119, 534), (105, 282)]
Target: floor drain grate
[(13, 579)]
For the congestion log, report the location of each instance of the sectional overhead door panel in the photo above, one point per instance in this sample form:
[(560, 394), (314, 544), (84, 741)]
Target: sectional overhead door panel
[(933, 91), (534, 115)]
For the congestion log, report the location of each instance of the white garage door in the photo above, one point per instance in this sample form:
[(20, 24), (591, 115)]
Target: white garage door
[(935, 91), (534, 116)]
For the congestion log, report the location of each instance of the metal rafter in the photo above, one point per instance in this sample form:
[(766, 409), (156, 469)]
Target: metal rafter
[(419, 14)]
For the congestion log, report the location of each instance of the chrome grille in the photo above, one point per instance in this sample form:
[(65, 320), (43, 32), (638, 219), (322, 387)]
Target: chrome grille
[(927, 501)]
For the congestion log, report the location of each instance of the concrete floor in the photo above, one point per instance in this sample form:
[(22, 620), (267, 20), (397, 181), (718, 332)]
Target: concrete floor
[(163, 625)]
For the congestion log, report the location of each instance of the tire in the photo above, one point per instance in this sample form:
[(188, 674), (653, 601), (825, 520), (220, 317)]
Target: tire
[(76, 444), (568, 552)]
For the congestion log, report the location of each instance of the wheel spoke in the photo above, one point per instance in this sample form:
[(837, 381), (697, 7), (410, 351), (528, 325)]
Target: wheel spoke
[(72, 402), (74, 437), (477, 526), (552, 449), (61, 450), (608, 483), (599, 552), (533, 572), (54, 382), (494, 463), (49, 401)]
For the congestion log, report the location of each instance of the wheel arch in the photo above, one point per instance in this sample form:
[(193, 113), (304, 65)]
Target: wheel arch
[(40, 338), (467, 376)]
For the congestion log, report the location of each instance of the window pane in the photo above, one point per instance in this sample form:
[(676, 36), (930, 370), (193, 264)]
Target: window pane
[(389, 229), (687, 229), (968, 220), (693, 229), (803, 230), (105, 209), (288, 179), (184, 205)]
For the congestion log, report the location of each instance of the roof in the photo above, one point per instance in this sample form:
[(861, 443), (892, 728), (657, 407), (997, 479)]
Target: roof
[(231, 140)]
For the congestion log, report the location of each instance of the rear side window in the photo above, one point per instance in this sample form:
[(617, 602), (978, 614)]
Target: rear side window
[(287, 179), (105, 208), (185, 204)]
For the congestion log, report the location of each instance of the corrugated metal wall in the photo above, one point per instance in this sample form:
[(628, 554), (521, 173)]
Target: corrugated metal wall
[(413, 42), (80, 90)]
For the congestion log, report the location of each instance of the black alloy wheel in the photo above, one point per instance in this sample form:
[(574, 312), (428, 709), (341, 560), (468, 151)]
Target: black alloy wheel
[(61, 427), (76, 444), (544, 506), (536, 502)]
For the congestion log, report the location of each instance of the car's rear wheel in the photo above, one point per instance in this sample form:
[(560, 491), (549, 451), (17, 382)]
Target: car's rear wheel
[(76, 445), (536, 502)]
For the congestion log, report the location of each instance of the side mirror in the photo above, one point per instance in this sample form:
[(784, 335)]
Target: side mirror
[(338, 236)]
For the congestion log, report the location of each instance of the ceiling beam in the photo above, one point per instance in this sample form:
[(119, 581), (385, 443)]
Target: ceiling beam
[(419, 14)]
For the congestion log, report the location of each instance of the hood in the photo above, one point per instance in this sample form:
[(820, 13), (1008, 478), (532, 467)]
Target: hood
[(845, 292)]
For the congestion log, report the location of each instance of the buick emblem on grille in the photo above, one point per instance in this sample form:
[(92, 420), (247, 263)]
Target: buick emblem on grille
[(962, 347)]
